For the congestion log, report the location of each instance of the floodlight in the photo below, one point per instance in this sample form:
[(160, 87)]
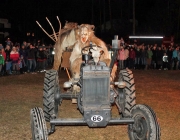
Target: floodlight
[(146, 37)]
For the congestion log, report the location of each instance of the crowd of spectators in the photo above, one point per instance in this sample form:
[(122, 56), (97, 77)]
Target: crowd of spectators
[(32, 58), (25, 58), (148, 56)]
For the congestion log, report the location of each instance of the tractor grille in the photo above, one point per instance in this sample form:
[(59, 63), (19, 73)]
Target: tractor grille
[(96, 87)]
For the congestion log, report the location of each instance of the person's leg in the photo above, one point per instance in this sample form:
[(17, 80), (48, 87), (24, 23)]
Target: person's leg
[(43, 65), (1, 69), (14, 67), (138, 63), (17, 68), (41, 68), (122, 64), (29, 65), (8, 68), (130, 63), (34, 65)]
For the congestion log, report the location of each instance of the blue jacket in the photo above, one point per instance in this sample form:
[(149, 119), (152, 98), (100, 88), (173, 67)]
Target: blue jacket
[(179, 55), (175, 54)]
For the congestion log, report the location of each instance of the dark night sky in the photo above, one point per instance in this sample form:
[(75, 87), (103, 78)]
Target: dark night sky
[(153, 16)]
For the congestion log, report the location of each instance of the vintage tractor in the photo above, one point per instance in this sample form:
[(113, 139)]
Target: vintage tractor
[(95, 99)]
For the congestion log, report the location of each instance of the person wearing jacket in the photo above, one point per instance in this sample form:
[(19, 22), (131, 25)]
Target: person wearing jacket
[(1, 61), (14, 56), (138, 57), (8, 60), (121, 57), (41, 60), (132, 56), (175, 57), (23, 54), (143, 57), (149, 58), (31, 59)]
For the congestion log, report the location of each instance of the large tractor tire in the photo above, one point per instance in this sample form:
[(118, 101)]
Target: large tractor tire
[(127, 95), (145, 125), (51, 89), (38, 124)]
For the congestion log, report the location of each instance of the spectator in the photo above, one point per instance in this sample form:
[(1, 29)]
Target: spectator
[(22, 65), (169, 54), (1, 61), (178, 60), (159, 58), (4, 66), (8, 42), (23, 54), (31, 59), (149, 58), (51, 56), (45, 58), (24, 44), (143, 57), (14, 56), (40, 60), (165, 61), (138, 58), (121, 58), (8, 60), (132, 56), (1, 46), (154, 56), (175, 58)]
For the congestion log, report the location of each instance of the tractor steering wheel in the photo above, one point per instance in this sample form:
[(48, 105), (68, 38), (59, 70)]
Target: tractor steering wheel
[(84, 49)]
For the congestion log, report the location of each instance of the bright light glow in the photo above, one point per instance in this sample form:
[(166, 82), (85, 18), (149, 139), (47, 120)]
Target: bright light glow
[(146, 37)]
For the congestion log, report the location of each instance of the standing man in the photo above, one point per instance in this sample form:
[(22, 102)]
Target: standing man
[(31, 59)]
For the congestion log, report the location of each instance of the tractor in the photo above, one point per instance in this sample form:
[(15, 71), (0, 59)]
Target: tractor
[(95, 98)]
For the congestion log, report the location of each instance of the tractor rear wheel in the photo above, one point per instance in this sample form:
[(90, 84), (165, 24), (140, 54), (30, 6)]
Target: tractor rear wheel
[(145, 125), (51, 89), (127, 95), (38, 124)]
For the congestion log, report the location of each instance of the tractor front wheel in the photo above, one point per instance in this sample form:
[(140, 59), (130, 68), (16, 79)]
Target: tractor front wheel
[(145, 125), (38, 124)]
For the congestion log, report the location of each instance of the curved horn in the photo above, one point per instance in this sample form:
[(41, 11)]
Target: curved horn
[(52, 28), (44, 31), (59, 24)]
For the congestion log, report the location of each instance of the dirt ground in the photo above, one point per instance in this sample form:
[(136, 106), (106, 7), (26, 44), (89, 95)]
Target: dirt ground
[(19, 93)]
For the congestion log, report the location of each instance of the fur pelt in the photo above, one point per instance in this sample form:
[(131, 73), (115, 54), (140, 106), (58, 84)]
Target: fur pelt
[(77, 37)]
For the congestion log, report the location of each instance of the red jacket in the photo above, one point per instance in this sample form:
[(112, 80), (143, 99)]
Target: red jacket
[(132, 54), (14, 56)]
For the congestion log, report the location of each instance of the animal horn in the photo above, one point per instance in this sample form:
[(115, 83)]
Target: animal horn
[(52, 29), (45, 31), (54, 36), (59, 24)]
